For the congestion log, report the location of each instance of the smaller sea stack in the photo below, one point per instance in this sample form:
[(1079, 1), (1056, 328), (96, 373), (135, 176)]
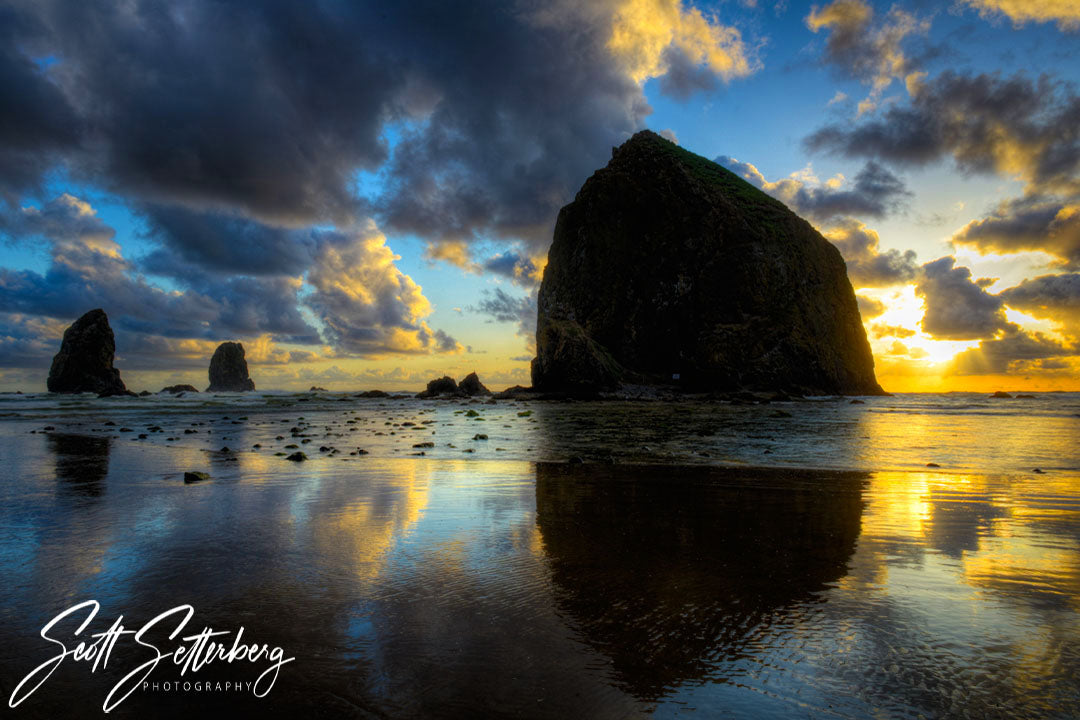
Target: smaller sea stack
[(229, 370), (85, 360)]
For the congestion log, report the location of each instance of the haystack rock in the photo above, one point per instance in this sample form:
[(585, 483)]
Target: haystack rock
[(85, 360), (228, 369), (668, 269)]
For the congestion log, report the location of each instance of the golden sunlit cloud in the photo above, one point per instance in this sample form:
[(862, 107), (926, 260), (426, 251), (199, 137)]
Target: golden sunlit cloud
[(875, 55), (1066, 13), (455, 252), (645, 32)]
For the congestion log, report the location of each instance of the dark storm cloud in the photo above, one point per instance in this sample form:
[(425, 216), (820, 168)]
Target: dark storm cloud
[(268, 109), (986, 123), (1034, 223), (265, 108), (37, 126), (223, 243), (957, 308), (876, 192)]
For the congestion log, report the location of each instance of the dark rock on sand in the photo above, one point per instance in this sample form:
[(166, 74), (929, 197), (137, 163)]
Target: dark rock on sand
[(194, 477), (668, 269), (297, 457), (175, 389), (471, 385), (229, 370), (443, 386), (515, 392), (85, 360)]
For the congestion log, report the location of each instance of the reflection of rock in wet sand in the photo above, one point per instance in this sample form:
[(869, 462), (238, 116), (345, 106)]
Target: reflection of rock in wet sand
[(81, 463), (668, 571)]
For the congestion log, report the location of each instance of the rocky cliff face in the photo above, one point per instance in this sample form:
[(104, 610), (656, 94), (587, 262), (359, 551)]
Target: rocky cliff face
[(669, 269), (85, 360), (228, 369)]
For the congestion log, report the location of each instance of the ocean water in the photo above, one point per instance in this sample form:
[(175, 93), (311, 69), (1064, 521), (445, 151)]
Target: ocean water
[(679, 569)]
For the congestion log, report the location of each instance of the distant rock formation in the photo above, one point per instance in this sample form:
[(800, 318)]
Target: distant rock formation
[(668, 269), (471, 385), (228, 369), (373, 394), (441, 386), (174, 389), (85, 360)]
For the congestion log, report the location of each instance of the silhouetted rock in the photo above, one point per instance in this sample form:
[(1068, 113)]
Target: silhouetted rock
[(517, 391), (175, 389), (374, 394), (145, 393), (85, 360), (669, 269), (316, 388), (1002, 395), (228, 369), (194, 477), (443, 386), (471, 385)]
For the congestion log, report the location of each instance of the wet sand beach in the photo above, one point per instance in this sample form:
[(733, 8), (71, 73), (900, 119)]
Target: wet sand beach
[(490, 584)]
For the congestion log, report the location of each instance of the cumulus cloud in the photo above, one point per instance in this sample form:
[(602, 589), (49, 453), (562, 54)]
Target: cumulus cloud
[(1033, 223), (869, 307), (876, 192), (1014, 352), (867, 265), (1066, 13), (881, 330), (872, 54), (1014, 126), (957, 308), (87, 270), (366, 305), (649, 36), (1054, 297)]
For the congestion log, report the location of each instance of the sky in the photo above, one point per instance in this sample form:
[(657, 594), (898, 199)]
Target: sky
[(364, 193)]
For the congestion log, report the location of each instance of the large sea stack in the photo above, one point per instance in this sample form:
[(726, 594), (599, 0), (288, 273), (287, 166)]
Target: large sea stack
[(228, 369), (85, 360), (667, 269)]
